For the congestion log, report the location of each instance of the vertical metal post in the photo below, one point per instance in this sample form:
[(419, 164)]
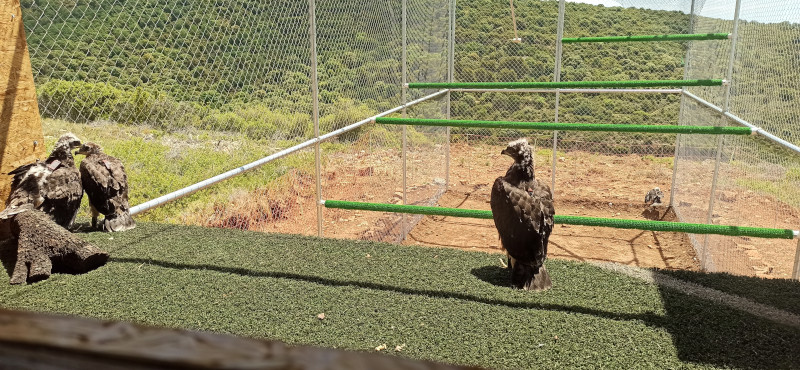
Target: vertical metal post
[(404, 81), (732, 56), (720, 139), (514, 22), (796, 270), (450, 78), (680, 112), (557, 78), (312, 35)]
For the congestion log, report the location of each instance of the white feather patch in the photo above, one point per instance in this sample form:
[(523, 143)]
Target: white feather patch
[(523, 141)]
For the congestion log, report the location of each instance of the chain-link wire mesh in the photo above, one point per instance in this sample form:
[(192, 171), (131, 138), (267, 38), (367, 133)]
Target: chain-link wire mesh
[(756, 179), (369, 164), (182, 91)]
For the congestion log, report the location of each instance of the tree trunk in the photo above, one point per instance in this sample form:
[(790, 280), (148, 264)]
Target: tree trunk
[(43, 247)]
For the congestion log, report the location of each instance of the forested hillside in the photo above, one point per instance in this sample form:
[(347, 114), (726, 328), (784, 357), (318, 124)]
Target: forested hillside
[(245, 66)]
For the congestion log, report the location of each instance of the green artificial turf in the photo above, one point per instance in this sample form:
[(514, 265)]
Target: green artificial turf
[(780, 293), (437, 304)]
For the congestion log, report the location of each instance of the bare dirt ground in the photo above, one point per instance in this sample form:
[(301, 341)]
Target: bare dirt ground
[(738, 205), (587, 184)]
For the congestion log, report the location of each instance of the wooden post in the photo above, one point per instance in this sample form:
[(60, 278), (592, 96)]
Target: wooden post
[(21, 138)]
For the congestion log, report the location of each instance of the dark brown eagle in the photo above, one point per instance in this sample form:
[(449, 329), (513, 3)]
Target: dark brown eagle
[(53, 186), (523, 214), (106, 184)]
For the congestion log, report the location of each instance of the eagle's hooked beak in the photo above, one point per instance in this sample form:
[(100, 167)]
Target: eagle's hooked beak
[(83, 150), (75, 143), (506, 152)]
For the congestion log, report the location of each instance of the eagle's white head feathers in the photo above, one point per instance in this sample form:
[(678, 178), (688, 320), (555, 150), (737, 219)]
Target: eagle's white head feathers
[(67, 142), (522, 154)]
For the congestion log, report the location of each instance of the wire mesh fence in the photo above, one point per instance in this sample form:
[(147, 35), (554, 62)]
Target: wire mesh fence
[(183, 91), (755, 185)]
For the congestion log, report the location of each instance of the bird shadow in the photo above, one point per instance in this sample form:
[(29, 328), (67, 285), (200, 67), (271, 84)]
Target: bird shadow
[(495, 275), (8, 255), (648, 318)]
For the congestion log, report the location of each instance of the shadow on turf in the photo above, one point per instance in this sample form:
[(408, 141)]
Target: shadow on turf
[(649, 318), (708, 333), (495, 275), (702, 332)]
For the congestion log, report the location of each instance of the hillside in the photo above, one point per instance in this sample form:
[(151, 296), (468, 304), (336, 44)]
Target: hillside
[(245, 67)]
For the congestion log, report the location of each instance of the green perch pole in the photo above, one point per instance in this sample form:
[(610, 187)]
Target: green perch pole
[(683, 37), (563, 85), (757, 232), (663, 129)]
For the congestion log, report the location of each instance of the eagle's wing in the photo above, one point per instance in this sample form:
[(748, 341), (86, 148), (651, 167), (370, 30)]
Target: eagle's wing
[(20, 173), (105, 182), (524, 218), (649, 196), (25, 188), (62, 192)]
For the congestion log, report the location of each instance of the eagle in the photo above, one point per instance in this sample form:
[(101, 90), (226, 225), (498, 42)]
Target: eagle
[(106, 185), (522, 208), (52, 186), (653, 197)]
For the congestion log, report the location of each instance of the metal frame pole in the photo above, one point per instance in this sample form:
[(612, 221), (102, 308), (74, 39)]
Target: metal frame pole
[(796, 270), (450, 78), (312, 35), (191, 189), (404, 81), (557, 78), (720, 140), (680, 112)]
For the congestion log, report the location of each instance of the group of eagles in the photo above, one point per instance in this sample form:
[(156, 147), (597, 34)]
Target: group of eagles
[(55, 186)]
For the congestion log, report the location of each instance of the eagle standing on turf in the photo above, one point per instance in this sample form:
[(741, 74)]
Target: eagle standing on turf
[(106, 184), (53, 186), (523, 214)]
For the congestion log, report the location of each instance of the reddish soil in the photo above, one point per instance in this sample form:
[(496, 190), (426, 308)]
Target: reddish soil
[(587, 185), (582, 243)]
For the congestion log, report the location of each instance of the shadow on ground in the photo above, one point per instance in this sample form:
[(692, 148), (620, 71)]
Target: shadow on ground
[(710, 333), (703, 332)]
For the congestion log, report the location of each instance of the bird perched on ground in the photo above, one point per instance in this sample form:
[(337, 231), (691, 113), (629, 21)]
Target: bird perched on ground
[(653, 197), (52, 186), (106, 184), (523, 213)]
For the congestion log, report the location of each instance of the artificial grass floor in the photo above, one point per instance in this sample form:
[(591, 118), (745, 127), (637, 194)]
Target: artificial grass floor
[(437, 304)]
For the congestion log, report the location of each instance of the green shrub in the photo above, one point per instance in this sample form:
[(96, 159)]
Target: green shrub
[(344, 113)]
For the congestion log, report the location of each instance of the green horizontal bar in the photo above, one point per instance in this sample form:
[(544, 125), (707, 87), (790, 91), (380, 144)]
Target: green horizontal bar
[(685, 37), (756, 232), (663, 129), (568, 84)]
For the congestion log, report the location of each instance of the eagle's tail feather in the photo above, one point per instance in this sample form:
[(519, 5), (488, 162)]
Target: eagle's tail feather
[(118, 222), (524, 276)]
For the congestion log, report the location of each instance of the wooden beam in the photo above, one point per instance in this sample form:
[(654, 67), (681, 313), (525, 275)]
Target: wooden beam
[(41, 341), (21, 139)]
